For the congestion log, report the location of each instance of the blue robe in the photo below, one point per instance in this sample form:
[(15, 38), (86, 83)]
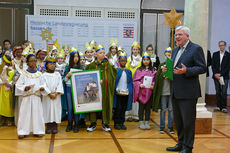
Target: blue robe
[(129, 85)]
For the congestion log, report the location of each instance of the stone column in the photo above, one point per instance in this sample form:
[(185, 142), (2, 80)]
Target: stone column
[(196, 15)]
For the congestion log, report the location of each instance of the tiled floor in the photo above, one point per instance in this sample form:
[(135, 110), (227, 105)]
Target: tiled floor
[(132, 140)]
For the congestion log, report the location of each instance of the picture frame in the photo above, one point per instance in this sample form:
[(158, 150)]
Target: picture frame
[(86, 91)]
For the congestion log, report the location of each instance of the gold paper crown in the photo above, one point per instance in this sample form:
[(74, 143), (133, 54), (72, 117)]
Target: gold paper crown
[(28, 51), (168, 50), (120, 48), (122, 54), (88, 47), (93, 44), (57, 45), (113, 43), (81, 54), (50, 59), (146, 54), (99, 48), (66, 46), (61, 54), (73, 50), (135, 44)]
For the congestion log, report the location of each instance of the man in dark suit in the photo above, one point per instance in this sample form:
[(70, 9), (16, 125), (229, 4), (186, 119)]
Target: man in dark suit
[(189, 62), (220, 69)]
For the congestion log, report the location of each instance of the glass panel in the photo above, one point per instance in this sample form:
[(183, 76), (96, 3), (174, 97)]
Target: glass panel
[(5, 24), (20, 24), (163, 40), (149, 30), (15, 1), (163, 4)]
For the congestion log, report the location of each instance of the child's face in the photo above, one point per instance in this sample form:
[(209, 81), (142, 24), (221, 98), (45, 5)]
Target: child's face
[(51, 66), (42, 55), (135, 51), (76, 58), (82, 61), (54, 53), (18, 53), (94, 53), (66, 50), (122, 61), (7, 53), (146, 61), (150, 50), (113, 50), (89, 54), (101, 55), (7, 45), (60, 60), (32, 62), (167, 54)]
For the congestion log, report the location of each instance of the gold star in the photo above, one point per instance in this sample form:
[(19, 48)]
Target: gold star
[(173, 18), (46, 34)]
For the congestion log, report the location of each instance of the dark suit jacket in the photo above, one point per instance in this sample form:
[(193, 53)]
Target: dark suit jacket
[(222, 68), (187, 86)]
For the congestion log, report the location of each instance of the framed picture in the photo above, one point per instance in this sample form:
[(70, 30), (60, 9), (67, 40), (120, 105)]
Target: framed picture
[(86, 91)]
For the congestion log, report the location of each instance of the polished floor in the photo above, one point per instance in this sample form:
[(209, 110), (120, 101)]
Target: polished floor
[(132, 140)]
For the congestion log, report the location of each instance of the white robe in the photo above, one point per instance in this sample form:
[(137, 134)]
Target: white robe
[(30, 117), (19, 98), (52, 109), (113, 60)]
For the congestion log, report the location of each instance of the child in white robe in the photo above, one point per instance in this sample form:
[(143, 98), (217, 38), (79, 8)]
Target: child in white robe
[(52, 108), (30, 86)]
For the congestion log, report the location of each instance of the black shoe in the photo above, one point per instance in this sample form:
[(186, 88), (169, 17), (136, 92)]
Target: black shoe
[(69, 127), (48, 128), (81, 123), (162, 130), (186, 151), (177, 147), (117, 126), (21, 136), (92, 127), (123, 127), (106, 128), (76, 128)]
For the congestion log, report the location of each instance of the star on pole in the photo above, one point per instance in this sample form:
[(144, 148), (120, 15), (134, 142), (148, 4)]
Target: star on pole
[(46, 34), (173, 18)]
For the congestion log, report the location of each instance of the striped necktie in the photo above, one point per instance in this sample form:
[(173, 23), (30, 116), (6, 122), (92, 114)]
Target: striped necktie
[(178, 56)]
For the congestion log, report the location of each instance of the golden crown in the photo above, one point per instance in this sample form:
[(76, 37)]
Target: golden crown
[(88, 47), (120, 48), (61, 54), (81, 54), (135, 44), (28, 51), (73, 50), (146, 54), (93, 44), (99, 48), (113, 42), (122, 54), (50, 59), (66, 46), (168, 50)]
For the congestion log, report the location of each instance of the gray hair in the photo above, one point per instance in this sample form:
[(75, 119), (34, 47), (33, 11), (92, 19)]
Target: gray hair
[(185, 29)]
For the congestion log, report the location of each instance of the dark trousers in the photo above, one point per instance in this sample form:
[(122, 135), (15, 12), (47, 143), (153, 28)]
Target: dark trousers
[(184, 111), (119, 112), (70, 107), (221, 93), (144, 109)]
